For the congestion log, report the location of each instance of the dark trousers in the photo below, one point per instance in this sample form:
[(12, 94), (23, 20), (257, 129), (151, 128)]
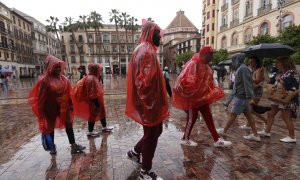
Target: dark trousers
[(70, 134), (92, 124), (192, 115), (169, 90), (147, 145)]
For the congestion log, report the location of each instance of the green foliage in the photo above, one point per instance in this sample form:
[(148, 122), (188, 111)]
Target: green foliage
[(219, 56), (182, 58), (262, 39)]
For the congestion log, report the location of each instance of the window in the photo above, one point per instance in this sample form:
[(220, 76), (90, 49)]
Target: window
[(19, 22), (73, 59), (130, 48), (234, 39), (14, 19), (224, 42), (72, 48), (130, 40), (208, 2), (71, 38), (213, 13), (207, 41), (90, 38), (113, 38), (115, 48), (80, 38), (207, 28), (236, 14), (122, 48), (122, 39), (264, 3), (248, 8), (24, 26), (224, 20), (213, 26), (212, 40), (106, 38), (287, 21), (123, 59), (207, 16), (81, 59), (264, 28), (248, 35), (28, 27), (137, 39)]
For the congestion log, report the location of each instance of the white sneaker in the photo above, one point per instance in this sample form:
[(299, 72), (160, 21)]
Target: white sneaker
[(288, 139), (93, 133), (245, 127), (251, 137), (188, 142), (220, 131), (108, 128), (263, 133), (222, 143)]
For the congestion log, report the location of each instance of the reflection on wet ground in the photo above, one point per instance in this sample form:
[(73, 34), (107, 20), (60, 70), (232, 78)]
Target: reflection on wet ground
[(22, 155)]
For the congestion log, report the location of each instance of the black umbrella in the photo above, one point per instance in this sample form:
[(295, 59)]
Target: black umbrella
[(227, 62), (269, 50), (216, 68)]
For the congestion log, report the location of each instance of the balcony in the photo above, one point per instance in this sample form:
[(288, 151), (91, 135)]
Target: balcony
[(72, 52), (234, 22), (224, 27), (224, 7), (264, 9), (248, 14), (233, 2)]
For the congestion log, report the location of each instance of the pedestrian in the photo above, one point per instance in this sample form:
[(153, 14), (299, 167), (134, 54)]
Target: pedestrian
[(4, 79), (167, 80), (194, 91), (88, 100), (51, 102), (289, 81), (243, 94), (82, 72), (147, 101)]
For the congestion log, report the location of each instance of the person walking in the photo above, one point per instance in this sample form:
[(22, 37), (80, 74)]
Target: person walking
[(146, 101), (51, 102), (194, 91), (88, 100), (243, 94), (167, 80)]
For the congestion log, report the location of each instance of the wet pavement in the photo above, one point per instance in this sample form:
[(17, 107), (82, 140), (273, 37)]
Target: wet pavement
[(22, 155)]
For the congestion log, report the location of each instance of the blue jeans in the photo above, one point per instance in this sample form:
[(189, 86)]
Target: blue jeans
[(240, 106)]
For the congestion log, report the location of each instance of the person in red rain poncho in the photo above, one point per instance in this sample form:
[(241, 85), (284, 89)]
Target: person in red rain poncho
[(147, 101), (89, 102), (194, 91), (51, 102)]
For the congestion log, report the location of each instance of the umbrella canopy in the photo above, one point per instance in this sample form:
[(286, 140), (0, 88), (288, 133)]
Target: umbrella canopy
[(269, 50), (216, 68), (227, 62), (6, 71)]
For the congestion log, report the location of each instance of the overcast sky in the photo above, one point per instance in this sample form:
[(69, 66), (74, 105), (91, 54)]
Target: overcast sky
[(161, 11)]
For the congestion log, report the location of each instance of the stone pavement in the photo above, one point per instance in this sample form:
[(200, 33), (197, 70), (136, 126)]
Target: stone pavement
[(22, 155)]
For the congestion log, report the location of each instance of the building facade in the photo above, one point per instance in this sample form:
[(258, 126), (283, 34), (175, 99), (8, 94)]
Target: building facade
[(180, 30), (209, 23), (104, 48), (240, 20)]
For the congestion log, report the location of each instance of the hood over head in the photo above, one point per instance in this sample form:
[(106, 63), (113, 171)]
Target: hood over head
[(237, 60)]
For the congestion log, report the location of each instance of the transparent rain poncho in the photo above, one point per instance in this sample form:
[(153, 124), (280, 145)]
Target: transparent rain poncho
[(50, 97), (194, 86), (84, 94), (147, 101)]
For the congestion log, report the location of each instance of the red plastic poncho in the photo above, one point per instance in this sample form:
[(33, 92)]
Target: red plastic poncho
[(147, 101), (50, 97), (194, 86), (91, 89)]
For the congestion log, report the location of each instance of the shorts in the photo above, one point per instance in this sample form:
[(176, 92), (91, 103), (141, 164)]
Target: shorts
[(240, 106)]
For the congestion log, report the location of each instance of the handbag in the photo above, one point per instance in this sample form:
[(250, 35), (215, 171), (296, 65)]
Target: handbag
[(47, 142)]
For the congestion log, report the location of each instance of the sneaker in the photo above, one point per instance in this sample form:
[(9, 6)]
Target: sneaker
[(93, 133), (288, 139), (251, 137), (222, 143), (149, 175), (220, 131), (263, 133), (134, 157), (76, 148), (188, 142), (107, 129), (245, 127)]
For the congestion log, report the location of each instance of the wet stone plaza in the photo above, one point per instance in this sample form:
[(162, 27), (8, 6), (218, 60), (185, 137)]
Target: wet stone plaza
[(23, 157)]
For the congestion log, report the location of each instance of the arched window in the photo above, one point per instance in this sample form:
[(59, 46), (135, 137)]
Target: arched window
[(248, 35), (234, 39), (286, 21), (224, 42), (264, 28)]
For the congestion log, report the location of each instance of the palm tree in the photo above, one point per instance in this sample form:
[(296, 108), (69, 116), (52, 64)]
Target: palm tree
[(125, 23), (53, 28), (115, 17), (150, 19), (95, 19), (84, 23)]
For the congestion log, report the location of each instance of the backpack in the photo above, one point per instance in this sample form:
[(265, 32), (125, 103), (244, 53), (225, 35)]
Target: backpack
[(79, 90), (47, 142)]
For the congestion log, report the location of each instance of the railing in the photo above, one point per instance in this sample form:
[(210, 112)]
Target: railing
[(224, 27), (234, 22), (264, 9), (233, 2), (224, 7)]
